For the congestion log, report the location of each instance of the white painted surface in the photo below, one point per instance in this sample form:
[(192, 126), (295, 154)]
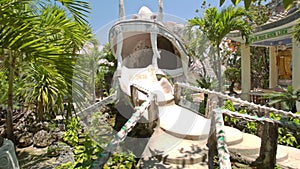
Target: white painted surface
[(246, 71), (182, 121)]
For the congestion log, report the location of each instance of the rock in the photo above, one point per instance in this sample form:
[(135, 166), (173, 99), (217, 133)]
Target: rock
[(45, 125), (53, 150), (65, 154), (61, 127), (42, 139), (59, 136), (25, 140)]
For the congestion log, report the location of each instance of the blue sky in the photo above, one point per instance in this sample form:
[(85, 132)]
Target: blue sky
[(106, 11)]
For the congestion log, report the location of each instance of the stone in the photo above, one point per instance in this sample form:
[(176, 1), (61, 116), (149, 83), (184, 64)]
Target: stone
[(57, 135), (62, 127), (53, 150), (65, 154), (42, 139), (25, 140)]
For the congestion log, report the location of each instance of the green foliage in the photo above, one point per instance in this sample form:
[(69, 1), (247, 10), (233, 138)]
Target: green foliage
[(286, 3), (68, 165), (286, 136), (258, 14), (3, 87), (229, 120), (84, 148), (229, 105), (287, 98), (216, 25), (206, 83), (106, 70), (251, 127), (71, 136), (233, 74), (296, 33), (40, 31), (43, 87), (121, 161), (259, 67)]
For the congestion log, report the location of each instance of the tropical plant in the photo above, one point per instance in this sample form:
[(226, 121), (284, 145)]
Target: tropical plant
[(84, 148), (40, 29), (89, 64), (107, 68), (247, 3), (216, 25), (99, 65), (233, 75), (44, 88), (206, 83), (287, 98), (259, 67), (258, 14), (199, 49), (297, 32)]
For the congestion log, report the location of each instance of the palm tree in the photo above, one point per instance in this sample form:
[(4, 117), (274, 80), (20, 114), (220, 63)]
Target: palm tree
[(216, 25), (43, 87), (25, 36), (287, 98), (297, 32)]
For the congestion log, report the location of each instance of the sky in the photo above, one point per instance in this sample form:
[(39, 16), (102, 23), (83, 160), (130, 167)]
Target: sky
[(105, 12)]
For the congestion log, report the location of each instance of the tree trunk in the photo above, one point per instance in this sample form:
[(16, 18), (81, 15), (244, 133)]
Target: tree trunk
[(9, 115), (219, 75), (267, 154), (93, 84)]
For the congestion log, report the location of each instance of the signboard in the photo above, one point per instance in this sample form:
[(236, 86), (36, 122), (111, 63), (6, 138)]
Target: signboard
[(272, 34)]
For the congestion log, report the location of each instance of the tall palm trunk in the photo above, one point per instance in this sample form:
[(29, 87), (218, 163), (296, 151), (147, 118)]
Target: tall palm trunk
[(9, 115), (219, 67), (93, 74)]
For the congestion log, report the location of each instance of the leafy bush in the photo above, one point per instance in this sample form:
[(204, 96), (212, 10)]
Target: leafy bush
[(121, 161), (86, 150), (285, 136), (287, 98)]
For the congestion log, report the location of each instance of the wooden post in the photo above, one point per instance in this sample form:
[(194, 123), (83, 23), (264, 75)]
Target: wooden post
[(268, 149), (212, 144), (212, 140), (212, 102), (153, 113), (177, 93)]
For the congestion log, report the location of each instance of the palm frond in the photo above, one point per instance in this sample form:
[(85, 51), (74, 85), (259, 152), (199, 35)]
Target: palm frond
[(78, 8)]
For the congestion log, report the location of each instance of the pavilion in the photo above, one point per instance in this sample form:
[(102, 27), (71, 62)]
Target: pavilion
[(284, 51)]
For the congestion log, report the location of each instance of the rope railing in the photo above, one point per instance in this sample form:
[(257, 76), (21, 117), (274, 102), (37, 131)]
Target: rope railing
[(126, 128), (240, 101), (86, 112), (223, 152), (246, 117), (121, 135), (269, 135)]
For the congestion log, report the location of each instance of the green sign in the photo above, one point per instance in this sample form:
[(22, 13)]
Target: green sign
[(270, 35)]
